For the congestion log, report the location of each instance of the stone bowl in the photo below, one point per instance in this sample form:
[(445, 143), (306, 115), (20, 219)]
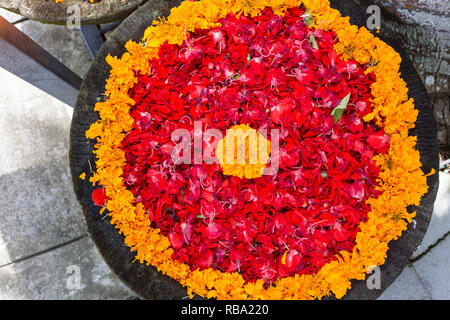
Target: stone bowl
[(145, 280), (48, 11)]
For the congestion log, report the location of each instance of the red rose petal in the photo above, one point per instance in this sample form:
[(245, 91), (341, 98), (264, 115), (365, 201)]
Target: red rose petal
[(99, 196)]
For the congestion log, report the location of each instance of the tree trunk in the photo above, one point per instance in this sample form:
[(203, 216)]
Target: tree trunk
[(423, 29)]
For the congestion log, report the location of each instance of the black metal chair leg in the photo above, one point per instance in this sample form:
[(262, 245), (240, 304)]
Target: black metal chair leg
[(93, 37), (16, 38)]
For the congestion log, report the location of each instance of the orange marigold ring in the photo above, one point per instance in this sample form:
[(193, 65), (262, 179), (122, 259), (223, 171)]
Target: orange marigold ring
[(403, 168)]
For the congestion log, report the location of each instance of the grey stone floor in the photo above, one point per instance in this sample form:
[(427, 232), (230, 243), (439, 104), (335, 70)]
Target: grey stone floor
[(45, 252)]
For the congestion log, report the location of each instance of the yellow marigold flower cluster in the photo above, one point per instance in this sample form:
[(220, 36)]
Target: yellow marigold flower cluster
[(249, 158), (401, 179)]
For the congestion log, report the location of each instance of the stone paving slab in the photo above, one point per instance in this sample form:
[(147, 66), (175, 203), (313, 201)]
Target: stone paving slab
[(74, 271), (38, 207), (408, 286), (10, 16), (19, 65), (66, 45), (434, 270), (440, 221), (39, 212)]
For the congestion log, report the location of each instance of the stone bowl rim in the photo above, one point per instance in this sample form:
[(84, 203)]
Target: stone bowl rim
[(90, 11)]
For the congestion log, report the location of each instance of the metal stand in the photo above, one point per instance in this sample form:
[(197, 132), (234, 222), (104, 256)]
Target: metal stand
[(94, 35), (20, 41), (14, 44)]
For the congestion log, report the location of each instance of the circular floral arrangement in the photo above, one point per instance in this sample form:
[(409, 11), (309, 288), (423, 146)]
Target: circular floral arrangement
[(323, 96)]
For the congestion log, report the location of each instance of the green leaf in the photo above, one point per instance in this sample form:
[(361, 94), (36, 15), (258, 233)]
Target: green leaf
[(200, 216), (324, 174), (249, 58), (312, 40), (339, 110), (182, 194), (307, 18)]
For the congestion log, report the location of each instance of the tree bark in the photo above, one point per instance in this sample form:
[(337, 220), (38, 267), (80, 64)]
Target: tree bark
[(423, 29)]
